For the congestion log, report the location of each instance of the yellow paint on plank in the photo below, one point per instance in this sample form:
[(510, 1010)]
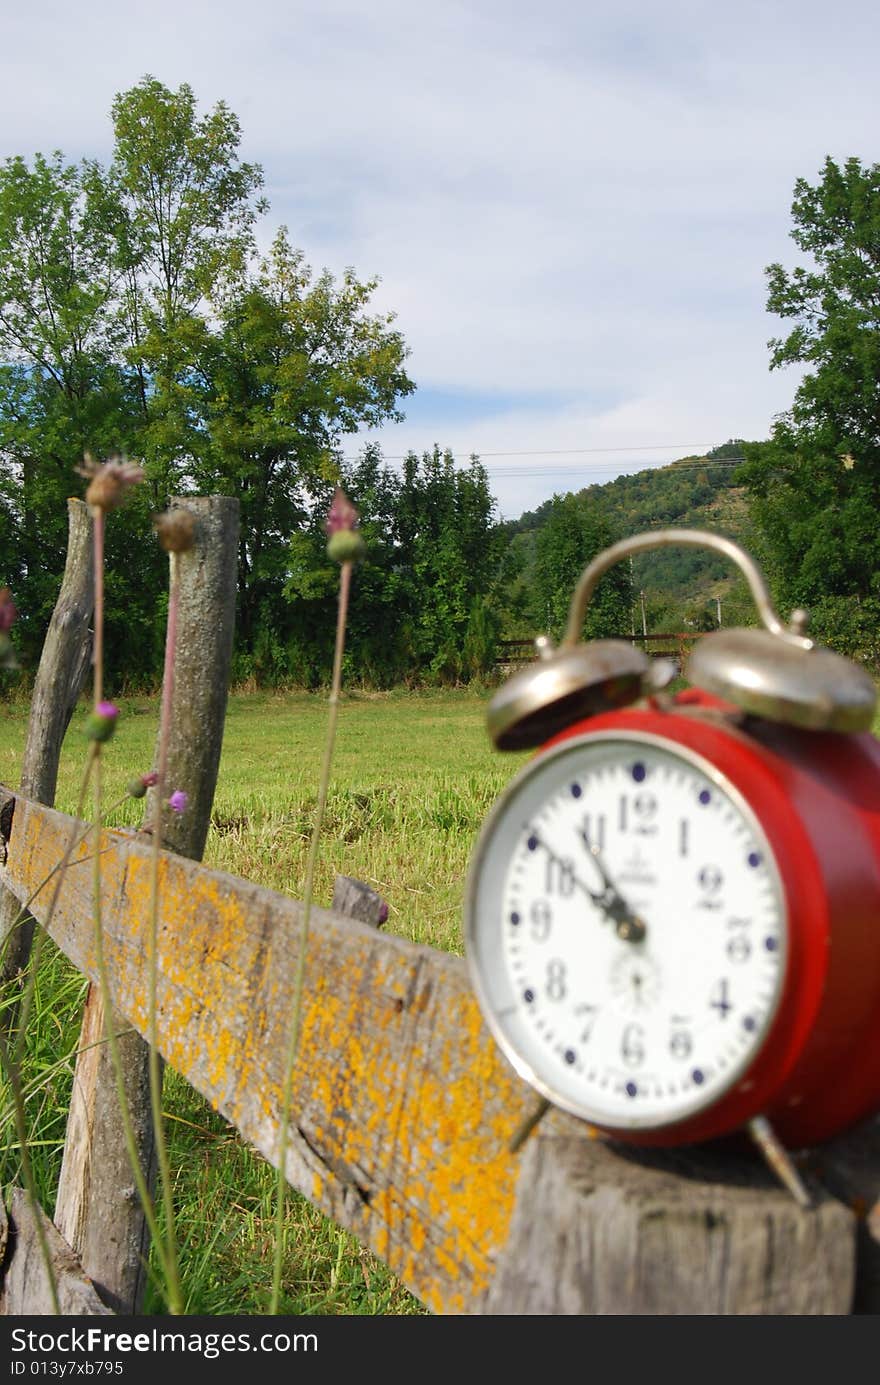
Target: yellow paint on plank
[(425, 1106)]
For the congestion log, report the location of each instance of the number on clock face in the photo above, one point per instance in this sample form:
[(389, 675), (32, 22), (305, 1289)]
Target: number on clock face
[(626, 929)]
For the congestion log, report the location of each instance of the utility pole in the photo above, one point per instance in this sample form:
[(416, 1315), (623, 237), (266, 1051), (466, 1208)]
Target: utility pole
[(632, 609), (644, 619), (718, 604)]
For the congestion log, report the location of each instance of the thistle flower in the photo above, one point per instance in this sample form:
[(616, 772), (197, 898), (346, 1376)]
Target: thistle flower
[(136, 788), (178, 801), (176, 530), (110, 481), (8, 612), (344, 543), (101, 724)]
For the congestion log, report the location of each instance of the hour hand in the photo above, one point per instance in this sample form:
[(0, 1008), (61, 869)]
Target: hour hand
[(628, 924)]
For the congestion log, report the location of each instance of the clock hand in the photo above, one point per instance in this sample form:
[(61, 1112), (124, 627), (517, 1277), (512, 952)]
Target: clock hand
[(538, 840), (629, 926)]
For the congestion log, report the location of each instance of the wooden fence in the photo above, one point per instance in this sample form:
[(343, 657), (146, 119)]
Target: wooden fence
[(664, 644), (404, 1110)]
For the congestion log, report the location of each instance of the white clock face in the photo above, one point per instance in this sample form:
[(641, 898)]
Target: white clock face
[(626, 929)]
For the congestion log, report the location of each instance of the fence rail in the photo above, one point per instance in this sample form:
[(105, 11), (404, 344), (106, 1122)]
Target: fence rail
[(669, 644)]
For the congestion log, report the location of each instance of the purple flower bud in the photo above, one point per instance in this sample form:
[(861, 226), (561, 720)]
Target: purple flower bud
[(8, 612), (342, 514), (346, 546), (102, 722), (178, 801), (138, 787)]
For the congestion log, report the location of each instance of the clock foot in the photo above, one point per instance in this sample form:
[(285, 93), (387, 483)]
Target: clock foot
[(528, 1125), (779, 1159)]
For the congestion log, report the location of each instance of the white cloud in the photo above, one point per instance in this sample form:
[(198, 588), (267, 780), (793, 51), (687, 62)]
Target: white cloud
[(572, 202)]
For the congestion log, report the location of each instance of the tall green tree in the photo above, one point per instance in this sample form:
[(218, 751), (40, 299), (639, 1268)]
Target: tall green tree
[(421, 607), (446, 538), (814, 487), (574, 531), (834, 306), (136, 316), (62, 388), (298, 362), (186, 205)]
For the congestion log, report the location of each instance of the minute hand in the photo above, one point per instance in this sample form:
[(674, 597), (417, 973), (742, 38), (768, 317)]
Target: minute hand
[(628, 924)]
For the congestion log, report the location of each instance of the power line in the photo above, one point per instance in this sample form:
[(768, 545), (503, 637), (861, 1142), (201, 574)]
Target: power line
[(579, 471), (562, 451)]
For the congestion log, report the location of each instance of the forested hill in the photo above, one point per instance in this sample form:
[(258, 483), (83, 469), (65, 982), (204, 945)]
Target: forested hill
[(698, 492)]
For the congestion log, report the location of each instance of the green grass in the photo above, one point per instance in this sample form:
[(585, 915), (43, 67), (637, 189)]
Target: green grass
[(413, 777)]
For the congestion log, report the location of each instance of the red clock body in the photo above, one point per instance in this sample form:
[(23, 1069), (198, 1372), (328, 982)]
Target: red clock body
[(817, 797)]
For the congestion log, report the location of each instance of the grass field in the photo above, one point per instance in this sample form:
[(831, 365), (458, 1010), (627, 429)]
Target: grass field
[(413, 777)]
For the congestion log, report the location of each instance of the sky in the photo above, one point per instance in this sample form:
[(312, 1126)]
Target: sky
[(570, 206)]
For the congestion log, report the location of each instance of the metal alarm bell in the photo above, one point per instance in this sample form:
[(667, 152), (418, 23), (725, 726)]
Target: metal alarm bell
[(776, 672)]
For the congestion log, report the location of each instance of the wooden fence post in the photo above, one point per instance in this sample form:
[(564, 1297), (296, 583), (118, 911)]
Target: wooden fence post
[(97, 1209), (61, 675), (358, 901)]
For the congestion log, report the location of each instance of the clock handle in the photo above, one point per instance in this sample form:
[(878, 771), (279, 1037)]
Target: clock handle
[(687, 538)]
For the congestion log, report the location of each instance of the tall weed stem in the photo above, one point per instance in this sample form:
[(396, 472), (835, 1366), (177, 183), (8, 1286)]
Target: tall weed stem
[(155, 1067), (296, 1012)]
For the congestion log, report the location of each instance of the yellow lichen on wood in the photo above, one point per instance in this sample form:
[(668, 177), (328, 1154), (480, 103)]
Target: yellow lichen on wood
[(402, 1107)]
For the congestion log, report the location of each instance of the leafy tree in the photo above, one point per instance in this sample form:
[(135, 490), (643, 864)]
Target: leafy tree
[(510, 593), (445, 523), (732, 450), (419, 608), (573, 533), (135, 316), (185, 211), (814, 487), (834, 305), (297, 362), (62, 390)]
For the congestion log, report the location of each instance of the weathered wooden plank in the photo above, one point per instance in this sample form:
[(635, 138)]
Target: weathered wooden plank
[(62, 671), (25, 1281), (404, 1107), (698, 1232), (358, 900)]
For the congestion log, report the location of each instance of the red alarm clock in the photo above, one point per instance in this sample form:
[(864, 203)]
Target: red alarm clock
[(672, 914)]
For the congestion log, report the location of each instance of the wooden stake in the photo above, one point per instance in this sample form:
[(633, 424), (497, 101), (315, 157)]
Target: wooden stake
[(61, 675), (97, 1209)]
